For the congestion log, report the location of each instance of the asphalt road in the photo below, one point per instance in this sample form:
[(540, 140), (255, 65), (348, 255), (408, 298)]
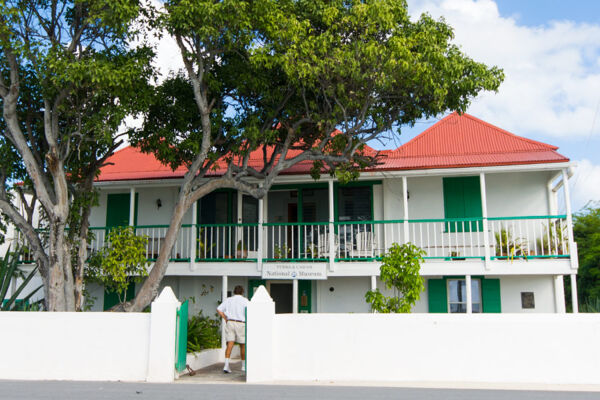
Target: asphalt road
[(15, 390)]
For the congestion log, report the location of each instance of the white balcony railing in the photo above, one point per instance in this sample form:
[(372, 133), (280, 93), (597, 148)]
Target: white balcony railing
[(445, 239)]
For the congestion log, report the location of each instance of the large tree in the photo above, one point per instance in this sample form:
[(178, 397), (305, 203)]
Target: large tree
[(299, 81), (68, 78), (586, 229)]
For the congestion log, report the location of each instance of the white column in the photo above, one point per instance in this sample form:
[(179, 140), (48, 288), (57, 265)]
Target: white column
[(332, 247), (405, 205), (572, 251), (574, 301), (484, 214), (373, 282), (469, 294), (163, 319), (194, 237), (223, 298), (260, 232), (132, 206), (559, 294), (295, 296)]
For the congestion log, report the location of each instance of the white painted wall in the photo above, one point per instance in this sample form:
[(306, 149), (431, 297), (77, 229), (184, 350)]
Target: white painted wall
[(506, 348), (541, 286), (88, 346), (348, 295), (74, 346), (517, 194)]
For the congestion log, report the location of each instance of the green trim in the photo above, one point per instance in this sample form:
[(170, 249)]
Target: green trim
[(362, 183), (528, 217), (295, 259), (226, 225), (297, 186), (225, 259), (527, 257), (294, 223), (358, 259), (474, 219)]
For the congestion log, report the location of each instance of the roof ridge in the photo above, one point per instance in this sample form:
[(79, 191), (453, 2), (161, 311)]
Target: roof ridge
[(513, 135)]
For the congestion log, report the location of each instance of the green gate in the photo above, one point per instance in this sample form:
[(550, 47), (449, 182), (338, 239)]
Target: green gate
[(181, 337)]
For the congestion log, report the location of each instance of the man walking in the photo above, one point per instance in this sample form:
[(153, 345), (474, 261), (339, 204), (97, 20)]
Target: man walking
[(233, 311)]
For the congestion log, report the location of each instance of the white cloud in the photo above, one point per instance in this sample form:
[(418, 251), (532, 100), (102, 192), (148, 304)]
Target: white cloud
[(552, 85), (585, 184)]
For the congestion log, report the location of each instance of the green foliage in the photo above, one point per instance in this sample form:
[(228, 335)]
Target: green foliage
[(268, 68), (508, 246), (586, 231), (203, 333), (590, 305), (121, 260), (399, 271), (9, 270)]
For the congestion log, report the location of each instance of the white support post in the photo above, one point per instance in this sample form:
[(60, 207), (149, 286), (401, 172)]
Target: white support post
[(373, 282), (484, 214), (295, 296), (260, 232), (405, 205), (574, 300), (223, 298), (559, 294), (469, 294), (132, 206), (572, 251), (239, 234), (193, 237), (332, 247)]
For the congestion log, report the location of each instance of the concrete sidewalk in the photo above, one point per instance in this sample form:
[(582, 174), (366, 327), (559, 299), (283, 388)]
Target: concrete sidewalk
[(214, 375)]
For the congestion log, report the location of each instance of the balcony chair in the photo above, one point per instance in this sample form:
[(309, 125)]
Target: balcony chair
[(365, 247), (323, 245)]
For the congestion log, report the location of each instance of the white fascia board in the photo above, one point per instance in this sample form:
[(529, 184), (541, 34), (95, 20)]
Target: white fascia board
[(287, 179)]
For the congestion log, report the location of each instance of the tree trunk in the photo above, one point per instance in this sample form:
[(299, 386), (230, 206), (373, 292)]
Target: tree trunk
[(60, 296)]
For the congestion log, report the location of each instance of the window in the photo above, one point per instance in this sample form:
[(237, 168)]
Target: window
[(457, 295), (355, 203), (462, 199)]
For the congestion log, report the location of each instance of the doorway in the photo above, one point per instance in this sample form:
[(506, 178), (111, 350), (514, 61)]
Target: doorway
[(281, 293)]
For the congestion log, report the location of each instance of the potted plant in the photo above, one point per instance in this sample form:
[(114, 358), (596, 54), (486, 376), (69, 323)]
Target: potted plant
[(242, 250), (509, 247), (280, 252), (552, 241)]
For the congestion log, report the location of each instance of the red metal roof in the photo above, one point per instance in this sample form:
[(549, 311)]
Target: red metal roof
[(457, 141)]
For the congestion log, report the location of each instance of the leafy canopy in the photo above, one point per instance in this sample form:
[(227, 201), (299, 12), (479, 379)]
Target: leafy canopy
[(586, 230)]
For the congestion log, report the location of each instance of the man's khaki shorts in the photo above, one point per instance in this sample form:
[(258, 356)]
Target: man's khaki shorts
[(235, 332)]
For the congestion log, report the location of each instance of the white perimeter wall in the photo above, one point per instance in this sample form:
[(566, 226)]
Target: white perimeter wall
[(424, 347), (74, 346), (90, 346)]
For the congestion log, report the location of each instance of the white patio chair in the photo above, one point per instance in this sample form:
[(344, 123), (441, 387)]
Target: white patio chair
[(323, 245), (365, 247)]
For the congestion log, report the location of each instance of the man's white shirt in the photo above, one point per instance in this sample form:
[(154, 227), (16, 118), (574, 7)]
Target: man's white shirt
[(234, 307)]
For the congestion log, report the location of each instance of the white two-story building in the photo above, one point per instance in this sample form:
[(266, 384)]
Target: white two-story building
[(480, 201)]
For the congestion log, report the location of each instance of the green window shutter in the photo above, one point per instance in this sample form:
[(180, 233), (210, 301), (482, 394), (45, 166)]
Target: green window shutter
[(117, 210), (490, 295), (462, 199), (304, 295), (437, 295), (253, 284)]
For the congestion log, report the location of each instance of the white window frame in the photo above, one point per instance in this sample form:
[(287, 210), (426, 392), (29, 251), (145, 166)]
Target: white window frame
[(449, 303)]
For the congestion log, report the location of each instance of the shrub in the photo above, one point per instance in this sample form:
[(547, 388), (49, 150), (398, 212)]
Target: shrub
[(203, 333)]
